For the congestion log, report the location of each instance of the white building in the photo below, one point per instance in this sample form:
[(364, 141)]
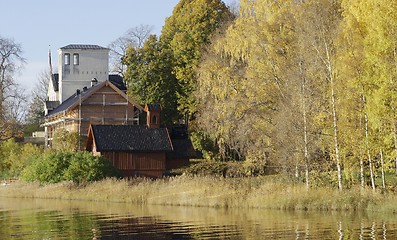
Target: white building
[(78, 65)]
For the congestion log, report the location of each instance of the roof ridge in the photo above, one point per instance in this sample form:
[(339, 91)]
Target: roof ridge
[(84, 46)]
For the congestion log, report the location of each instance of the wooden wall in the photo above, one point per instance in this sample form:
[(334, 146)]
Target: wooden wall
[(138, 164), (105, 106)]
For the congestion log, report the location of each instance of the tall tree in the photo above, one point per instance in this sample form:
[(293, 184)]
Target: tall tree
[(35, 112), (321, 25), (11, 61), (135, 38), (184, 34), (150, 79)]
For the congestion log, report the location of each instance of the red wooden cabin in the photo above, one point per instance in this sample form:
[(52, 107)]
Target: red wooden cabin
[(142, 150)]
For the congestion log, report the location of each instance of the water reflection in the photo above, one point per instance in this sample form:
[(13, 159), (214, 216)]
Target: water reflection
[(54, 219)]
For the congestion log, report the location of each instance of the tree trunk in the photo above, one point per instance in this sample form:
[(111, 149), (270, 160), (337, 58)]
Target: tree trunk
[(306, 153), (2, 80), (394, 110), (296, 169), (329, 66), (394, 136), (383, 170), (337, 157), (361, 158), (369, 153)]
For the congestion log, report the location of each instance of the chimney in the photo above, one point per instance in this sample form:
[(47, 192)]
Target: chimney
[(153, 115), (85, 89), (94, 81), (77, 92)]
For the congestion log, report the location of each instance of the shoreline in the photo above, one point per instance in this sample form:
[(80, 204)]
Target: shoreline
[(268, 192)]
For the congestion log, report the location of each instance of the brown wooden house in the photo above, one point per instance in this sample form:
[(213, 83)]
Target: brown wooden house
[(104, 104), (142, 150), (135, 150)]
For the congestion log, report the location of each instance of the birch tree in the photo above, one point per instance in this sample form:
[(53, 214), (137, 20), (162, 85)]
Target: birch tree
[(322, 25)]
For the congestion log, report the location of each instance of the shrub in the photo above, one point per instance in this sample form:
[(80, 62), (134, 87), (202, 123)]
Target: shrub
[(86, 168), (226, 169), (66, 141), (68, 166), (14, 157)]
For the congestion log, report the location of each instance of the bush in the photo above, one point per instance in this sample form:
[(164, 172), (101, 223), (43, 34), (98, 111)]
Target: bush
[(86, 168), (67, 141), (227, 169), (69, 166), (14, 157)]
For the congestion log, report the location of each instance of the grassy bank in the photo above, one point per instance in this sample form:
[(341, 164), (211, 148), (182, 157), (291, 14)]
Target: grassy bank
[(269, 192)]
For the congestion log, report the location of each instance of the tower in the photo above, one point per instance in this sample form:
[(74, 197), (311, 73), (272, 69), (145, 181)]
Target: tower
[(78, 64)]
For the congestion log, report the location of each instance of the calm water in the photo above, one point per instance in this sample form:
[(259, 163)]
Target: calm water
[(53, 219)]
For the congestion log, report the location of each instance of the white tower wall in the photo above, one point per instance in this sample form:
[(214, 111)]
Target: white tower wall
[(85, 63)]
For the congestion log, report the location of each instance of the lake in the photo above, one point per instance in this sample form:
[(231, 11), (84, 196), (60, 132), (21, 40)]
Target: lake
[(55, 219)]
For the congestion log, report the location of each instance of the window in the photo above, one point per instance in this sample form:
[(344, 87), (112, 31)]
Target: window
[(154, 119), (67, 58), (76, 60)]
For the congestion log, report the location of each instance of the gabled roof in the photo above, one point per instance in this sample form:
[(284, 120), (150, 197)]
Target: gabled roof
[(129, 138), (118, 81), (84, 47), (153, 107), (74, 100)]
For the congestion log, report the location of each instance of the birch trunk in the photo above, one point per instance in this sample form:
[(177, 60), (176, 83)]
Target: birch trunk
[(395, 140), (305, 143), (337, 157), (369, 153), (329, 66), (383, 170), (394, 111), (361, 158)]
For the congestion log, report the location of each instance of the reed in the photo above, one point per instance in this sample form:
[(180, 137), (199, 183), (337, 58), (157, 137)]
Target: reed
[(270, 192)]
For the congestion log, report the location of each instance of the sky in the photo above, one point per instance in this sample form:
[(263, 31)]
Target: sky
[(40, 25)]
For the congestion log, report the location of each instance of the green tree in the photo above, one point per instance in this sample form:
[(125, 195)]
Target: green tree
[(185, 34), (15, 157), (64, 140), (150, 79), (9, 151)]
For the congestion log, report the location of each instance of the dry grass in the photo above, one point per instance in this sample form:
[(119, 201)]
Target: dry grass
[(268, 192)]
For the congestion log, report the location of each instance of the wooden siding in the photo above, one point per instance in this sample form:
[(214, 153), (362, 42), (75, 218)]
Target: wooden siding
[(104, 106), (138, 164)]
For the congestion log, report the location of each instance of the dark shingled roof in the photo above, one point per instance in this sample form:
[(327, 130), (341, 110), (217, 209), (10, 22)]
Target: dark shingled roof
[(137, 138), (72, 100), (117, 81), (83, 47), (154, 107), (75, 98)]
